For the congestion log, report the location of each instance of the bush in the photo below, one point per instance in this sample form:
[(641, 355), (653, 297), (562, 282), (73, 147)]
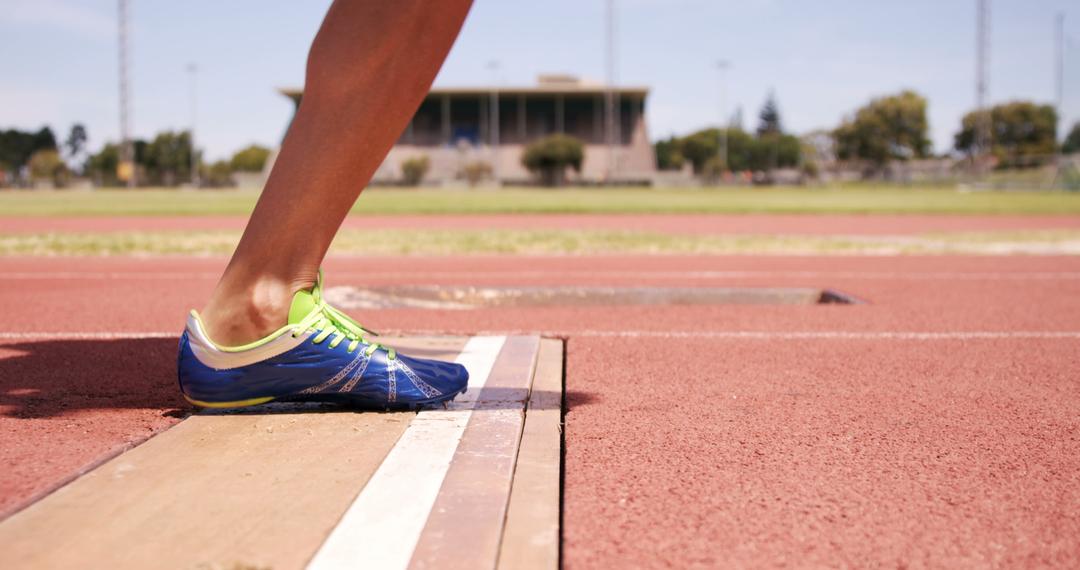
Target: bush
[(476, 172), (414, 169), (46, 165), (550, 156)]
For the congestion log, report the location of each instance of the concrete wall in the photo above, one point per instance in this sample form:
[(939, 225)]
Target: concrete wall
[(635, 161)]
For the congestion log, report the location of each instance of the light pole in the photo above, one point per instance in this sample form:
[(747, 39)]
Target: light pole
[(126, 168), (611, 103), (496, 158), (1059, 66), (984, 125), (193, 71), (722, 66)]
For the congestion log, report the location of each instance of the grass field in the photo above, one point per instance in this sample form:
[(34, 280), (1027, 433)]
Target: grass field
[(551, 242), (859, 199)]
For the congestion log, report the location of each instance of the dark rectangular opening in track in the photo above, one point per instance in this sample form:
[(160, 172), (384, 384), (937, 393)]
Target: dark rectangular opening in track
[(476, 297)]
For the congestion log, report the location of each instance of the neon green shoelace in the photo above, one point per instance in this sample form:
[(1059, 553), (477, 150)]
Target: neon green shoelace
[(331, 321)]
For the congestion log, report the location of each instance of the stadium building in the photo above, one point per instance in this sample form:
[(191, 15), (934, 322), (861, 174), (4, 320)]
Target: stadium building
[(453, 128)]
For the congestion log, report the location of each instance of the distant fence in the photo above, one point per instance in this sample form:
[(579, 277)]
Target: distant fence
[(1044, 173)]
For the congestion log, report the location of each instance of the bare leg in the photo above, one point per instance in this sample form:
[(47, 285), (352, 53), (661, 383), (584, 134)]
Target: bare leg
[(369, 68)]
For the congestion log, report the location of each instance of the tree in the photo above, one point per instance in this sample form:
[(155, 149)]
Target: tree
[(550, 156), (250, 159), (669, 154), (700, 147), (1072, 140), (414, 169), (1022, 133), (102, 166), (76, 141), (887, 128), (771, 151), (217, 174), (167, 158), (16, 147), (744, 151), (769, 117)]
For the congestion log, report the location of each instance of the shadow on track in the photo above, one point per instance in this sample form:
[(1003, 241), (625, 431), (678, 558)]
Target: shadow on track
[(42, 379)]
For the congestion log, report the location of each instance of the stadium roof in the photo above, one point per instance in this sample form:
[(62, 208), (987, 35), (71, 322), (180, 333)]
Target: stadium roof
[(546, 84)]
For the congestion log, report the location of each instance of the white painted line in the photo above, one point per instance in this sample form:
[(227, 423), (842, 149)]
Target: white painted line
[(835, 335), (382, 526), (646, 273), (570, 333), (770, 335)]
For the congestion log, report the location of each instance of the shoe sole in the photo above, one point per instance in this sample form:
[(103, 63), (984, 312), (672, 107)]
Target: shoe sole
[(349, 400)]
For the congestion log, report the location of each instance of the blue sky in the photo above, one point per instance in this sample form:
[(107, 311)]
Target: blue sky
[(823, 59)]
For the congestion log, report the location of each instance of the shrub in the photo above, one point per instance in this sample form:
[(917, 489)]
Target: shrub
[(414, 169), (550, 156), (47, 165), (476, 172)]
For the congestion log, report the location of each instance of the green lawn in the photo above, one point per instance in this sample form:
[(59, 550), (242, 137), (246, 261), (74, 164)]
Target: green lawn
[(858, 199)]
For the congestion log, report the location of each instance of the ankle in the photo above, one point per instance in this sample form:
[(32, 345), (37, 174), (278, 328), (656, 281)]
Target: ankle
[(236, 316)]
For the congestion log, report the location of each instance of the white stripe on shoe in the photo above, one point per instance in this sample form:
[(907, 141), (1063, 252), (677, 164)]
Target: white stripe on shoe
[(210, 355), (383, 525)]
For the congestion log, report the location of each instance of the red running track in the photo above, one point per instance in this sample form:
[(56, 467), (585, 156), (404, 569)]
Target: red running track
[(696, 436), (695, 224)]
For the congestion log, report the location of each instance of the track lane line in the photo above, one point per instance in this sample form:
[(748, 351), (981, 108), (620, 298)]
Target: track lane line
[(384, 523), (465, 526)]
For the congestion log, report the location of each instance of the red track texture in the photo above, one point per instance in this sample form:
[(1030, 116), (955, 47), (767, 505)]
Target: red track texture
[(694, 224), (732, 436)]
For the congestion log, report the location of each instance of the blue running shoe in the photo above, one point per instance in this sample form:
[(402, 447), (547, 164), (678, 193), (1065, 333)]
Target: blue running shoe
[(321, 355)]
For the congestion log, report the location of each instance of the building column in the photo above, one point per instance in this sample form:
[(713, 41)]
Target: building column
[(522, 127), (446, 120), (482, 123), (598, 119), (560, 113)]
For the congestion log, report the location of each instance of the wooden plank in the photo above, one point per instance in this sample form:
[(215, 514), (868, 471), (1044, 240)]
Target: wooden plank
[(464, 527), (382, 526), (531, 535), (254, 489)]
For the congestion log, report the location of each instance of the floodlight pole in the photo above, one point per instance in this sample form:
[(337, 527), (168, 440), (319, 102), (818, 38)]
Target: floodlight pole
[(1059, 63), (983, 137), (610, 97), (722, 149), (193, 71), (127, 150)]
